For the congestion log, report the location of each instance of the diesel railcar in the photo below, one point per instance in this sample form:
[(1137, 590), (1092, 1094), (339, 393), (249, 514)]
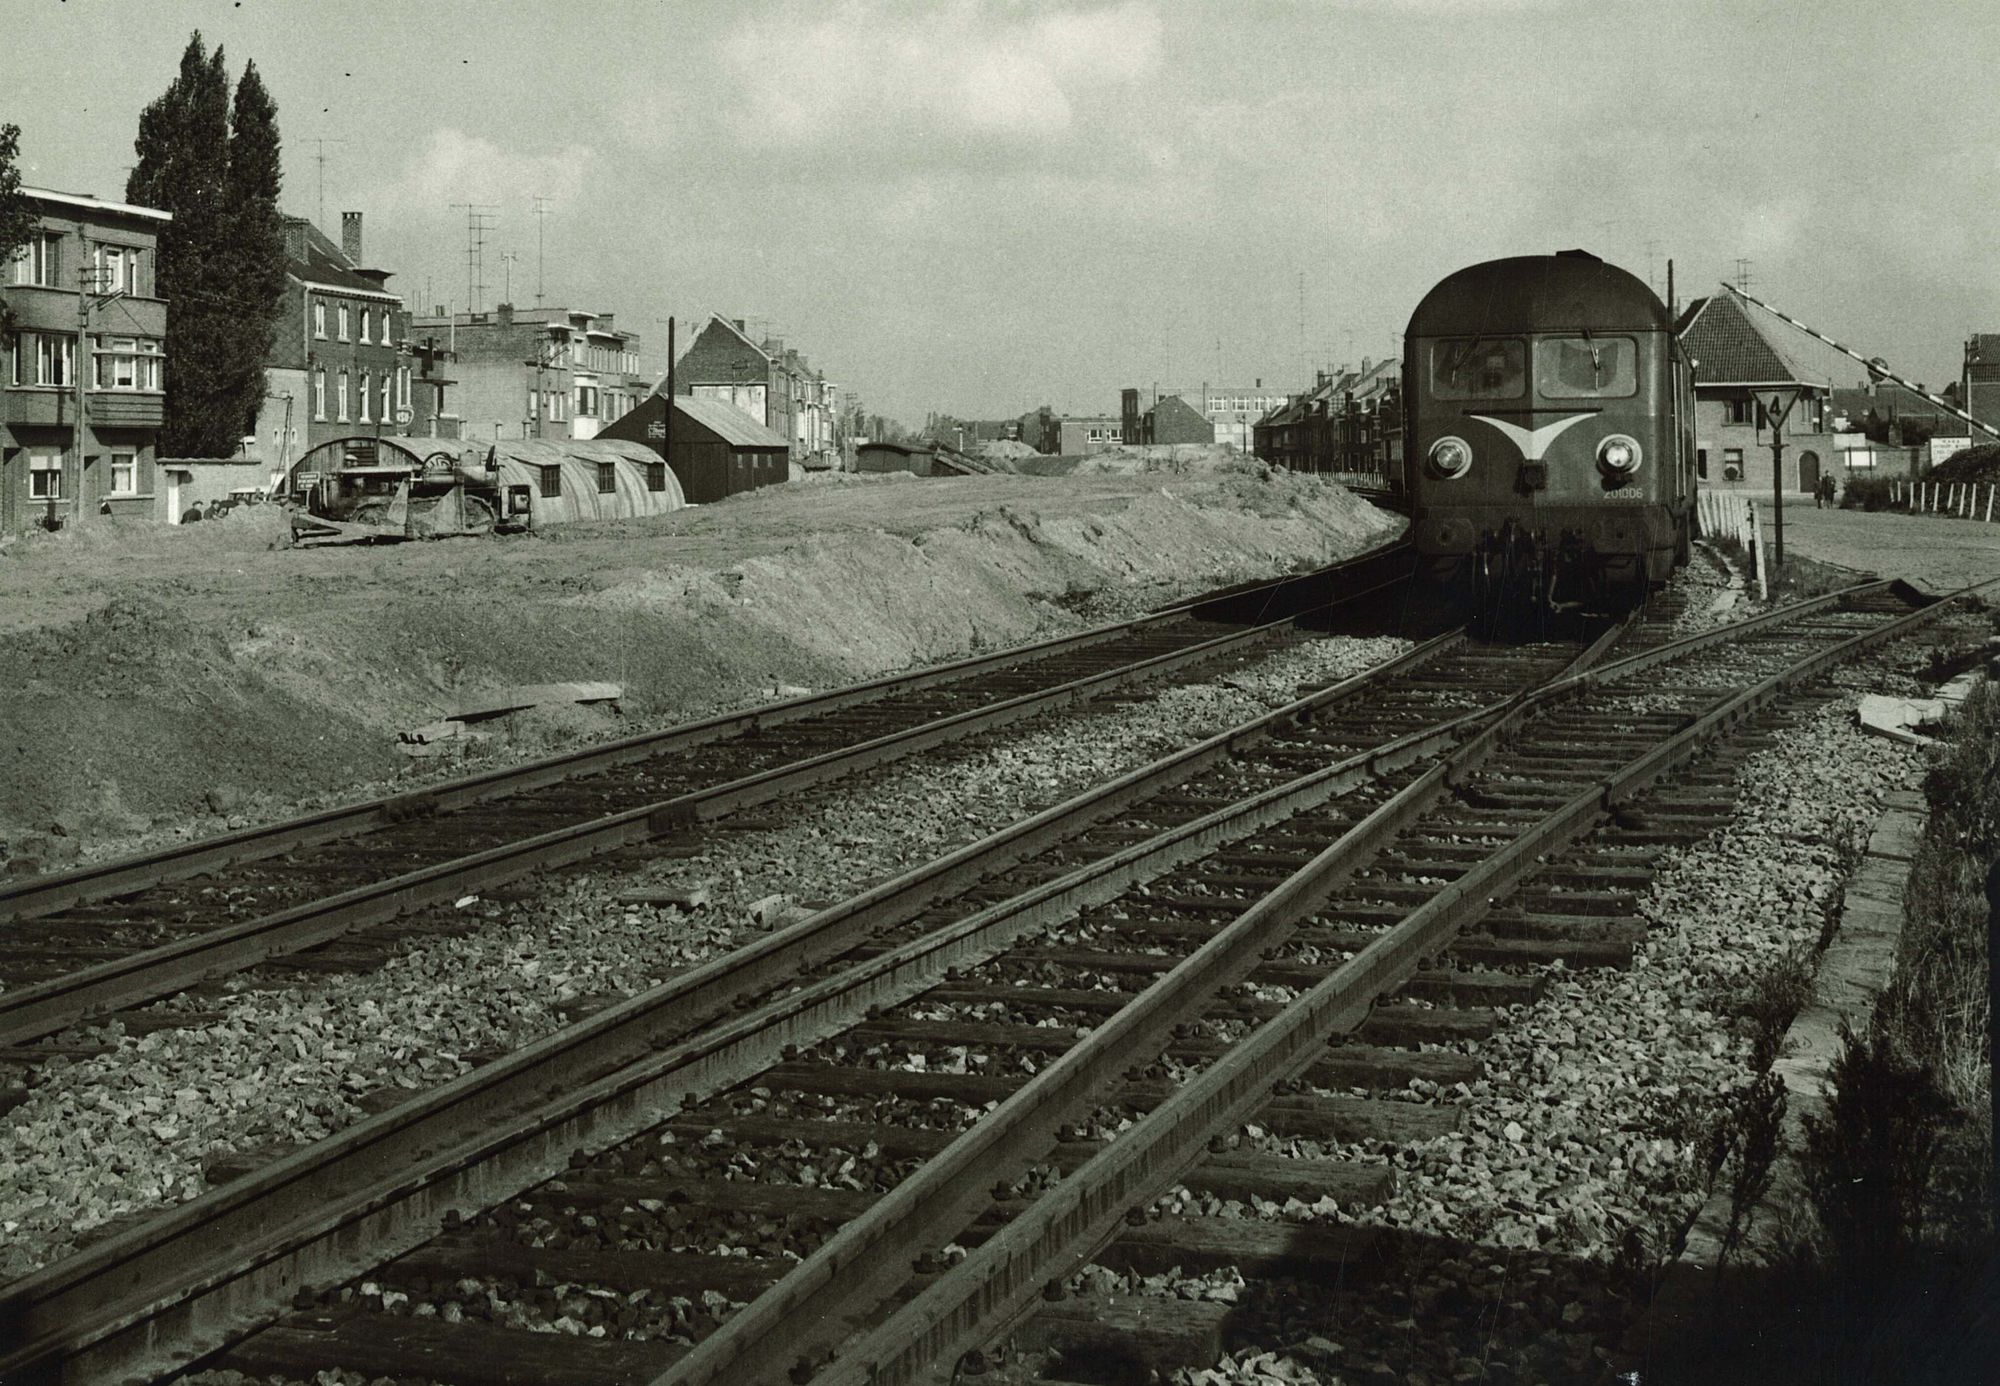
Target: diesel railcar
[(1549, 417)]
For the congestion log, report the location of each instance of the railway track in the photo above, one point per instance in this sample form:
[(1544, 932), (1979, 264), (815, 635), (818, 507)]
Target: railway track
[(303, 1209), (1199, 891), (152, 925)]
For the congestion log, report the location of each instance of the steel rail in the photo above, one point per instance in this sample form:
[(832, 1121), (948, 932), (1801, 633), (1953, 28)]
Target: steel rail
[(194, 1251), (30, 1012), (210, 1265), (44, 894), (999, 1281), (857, 1266)]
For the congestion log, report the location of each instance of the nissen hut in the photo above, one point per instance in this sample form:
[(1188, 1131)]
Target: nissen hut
[(412, 487)]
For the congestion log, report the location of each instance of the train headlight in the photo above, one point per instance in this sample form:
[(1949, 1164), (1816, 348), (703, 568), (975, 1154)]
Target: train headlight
[(1619, 455), (1451, 458)]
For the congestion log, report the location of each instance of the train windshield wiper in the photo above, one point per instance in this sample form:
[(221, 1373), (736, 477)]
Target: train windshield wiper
[(1461, 355)]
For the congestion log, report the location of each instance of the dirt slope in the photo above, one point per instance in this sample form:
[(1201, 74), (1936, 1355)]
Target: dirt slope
[(165, 681)]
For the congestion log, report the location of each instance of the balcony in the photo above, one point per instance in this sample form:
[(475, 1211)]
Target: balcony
[(56, 408), (126, 409)]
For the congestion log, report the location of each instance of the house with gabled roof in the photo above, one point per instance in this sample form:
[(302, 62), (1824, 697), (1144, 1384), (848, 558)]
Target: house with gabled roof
[(1740, 352), (337, 365), (767, 380)]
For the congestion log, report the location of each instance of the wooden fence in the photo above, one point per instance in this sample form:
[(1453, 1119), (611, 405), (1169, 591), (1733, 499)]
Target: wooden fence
[(1968, 500)]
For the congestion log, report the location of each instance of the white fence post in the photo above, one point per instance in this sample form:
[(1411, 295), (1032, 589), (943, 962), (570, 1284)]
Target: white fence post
[(1757, 539), (1991, 488)]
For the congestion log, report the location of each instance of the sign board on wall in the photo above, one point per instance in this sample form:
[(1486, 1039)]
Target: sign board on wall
[(1938, 449)]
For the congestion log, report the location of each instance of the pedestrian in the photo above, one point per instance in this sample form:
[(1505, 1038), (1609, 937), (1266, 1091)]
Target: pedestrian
[(191, 514), (1832, 489)]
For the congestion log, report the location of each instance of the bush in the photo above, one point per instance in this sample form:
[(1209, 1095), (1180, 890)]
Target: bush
[(1980, 463), (1962, 781), (1867, 493), (1868, 1161)]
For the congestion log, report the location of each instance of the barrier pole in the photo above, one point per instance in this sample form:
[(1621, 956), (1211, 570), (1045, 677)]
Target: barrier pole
[(1991, 488)]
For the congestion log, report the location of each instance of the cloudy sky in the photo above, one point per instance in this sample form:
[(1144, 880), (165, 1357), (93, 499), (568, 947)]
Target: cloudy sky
[(983, 207)]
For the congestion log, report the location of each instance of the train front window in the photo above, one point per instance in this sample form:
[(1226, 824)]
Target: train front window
[(1479, 368), (1586, 367)]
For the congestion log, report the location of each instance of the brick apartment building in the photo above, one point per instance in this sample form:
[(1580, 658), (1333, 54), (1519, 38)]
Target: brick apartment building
[(337, 366), (537, 373), (85, 274)]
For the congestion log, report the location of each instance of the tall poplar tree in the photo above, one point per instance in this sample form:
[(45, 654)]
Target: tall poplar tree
[(255, 257), (221, 260)]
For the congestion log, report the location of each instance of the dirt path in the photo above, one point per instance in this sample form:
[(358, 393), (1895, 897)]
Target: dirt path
[(1937, 554)]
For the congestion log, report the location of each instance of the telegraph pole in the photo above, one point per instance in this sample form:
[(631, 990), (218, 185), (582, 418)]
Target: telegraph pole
[(86, 285)]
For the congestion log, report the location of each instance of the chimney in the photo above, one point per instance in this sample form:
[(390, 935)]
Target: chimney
[(350, 236), (295, 238), (505, 313), (737, 323), (1260, 382), (1366, 365)]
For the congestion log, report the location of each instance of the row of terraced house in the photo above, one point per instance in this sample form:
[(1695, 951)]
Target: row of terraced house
[(1350, 422), (79, 430)]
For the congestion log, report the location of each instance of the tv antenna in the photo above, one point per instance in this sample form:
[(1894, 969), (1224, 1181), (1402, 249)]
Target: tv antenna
[(480, 217), (1304, 356), (541, 217), (1743, 273), (507, 259), (319, 159)]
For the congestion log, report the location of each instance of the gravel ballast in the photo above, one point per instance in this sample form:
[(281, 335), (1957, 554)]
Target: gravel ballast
[(116, 1133), (1581, 1154)]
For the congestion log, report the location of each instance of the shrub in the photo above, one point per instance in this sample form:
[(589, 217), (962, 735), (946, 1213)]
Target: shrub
[(1962, 781), (1980, 463), (1868, 1161), (1867, 493), (1759, 1119)]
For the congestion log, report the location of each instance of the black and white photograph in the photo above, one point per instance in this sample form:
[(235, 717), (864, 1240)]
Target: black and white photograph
[(999, 692)]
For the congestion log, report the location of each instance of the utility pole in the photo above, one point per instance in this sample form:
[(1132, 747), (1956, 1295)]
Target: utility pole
[(480, 217), (667, 437), (319, 158), (86, 285), (541, 217)]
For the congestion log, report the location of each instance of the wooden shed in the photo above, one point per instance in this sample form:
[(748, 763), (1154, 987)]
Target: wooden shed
[(717, 451), (914, 458)]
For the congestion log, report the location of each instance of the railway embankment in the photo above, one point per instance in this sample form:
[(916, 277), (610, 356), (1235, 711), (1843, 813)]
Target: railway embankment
[(167, 683)]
